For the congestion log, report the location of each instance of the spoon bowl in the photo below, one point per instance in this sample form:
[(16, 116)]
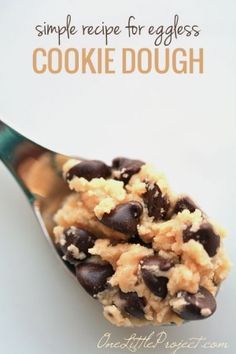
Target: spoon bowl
[(38, 171)]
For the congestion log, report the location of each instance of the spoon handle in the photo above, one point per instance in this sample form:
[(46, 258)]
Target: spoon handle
[(14, 150)]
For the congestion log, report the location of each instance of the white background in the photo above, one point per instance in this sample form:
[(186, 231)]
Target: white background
[(185, 124)]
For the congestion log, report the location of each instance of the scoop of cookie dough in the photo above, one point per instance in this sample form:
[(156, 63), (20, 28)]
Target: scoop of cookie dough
[(148, 255)]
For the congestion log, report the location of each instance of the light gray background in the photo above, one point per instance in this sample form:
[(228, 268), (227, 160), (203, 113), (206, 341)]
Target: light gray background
[(184, 124)]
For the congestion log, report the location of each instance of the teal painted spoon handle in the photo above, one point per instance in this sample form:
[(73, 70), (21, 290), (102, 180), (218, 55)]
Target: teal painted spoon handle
[(14, 149)]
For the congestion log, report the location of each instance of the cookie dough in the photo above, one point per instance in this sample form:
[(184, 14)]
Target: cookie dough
[(148, 255)]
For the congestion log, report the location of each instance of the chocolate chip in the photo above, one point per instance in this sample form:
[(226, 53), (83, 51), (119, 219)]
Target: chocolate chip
[(206, 236), (152, 268), (124, 218), (184, 203), (79, 238), (132, 304), (135, 239), (93, 276), (194, 306), (125, 168), (89, 170), (69, 265), (157, 204)]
